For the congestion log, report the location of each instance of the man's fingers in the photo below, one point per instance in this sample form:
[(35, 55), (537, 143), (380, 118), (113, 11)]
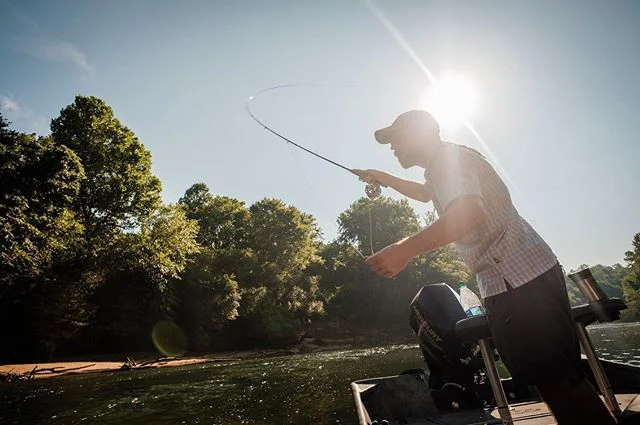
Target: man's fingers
[(380, 269), (379, 266), (372, 260), (364, 175), (359, 173), (375, 264)]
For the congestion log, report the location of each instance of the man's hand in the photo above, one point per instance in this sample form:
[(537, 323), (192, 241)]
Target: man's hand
[(410, 188), (370, 176), (389, 261)]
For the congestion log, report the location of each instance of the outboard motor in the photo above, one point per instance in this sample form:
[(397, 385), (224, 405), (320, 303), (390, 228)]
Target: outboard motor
[(435, 310)]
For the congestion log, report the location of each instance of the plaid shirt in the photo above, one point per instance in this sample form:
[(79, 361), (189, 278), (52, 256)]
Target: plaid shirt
[(504, 247)]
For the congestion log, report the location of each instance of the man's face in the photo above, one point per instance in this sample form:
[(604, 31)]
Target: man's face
[(407, 149)]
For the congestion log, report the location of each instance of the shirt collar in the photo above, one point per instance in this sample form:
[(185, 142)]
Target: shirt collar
[(434, 156)]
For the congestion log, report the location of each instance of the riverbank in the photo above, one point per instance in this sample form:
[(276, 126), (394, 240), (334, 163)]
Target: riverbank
[(27, 371)]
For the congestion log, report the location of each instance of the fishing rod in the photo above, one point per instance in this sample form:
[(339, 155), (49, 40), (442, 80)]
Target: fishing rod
[(372, 189)]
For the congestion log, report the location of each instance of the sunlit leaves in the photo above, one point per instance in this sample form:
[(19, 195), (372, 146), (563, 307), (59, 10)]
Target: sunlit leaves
[(119, 188), (631, 284), (38, 183)]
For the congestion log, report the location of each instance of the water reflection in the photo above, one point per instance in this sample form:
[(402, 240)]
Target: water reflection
[(301, 389), (619, 342)]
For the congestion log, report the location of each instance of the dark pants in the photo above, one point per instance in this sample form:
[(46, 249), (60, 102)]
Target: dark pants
[(534, 332)]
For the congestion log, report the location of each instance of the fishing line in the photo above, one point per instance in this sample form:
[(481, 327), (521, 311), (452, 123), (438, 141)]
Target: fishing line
[(372, 190), (324, 210), (370, 229)]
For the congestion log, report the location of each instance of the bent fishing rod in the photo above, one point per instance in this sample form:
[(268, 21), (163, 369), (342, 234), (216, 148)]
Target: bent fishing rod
[(372, 189)]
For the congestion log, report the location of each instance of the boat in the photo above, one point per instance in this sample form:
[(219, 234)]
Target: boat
[(460, 384)]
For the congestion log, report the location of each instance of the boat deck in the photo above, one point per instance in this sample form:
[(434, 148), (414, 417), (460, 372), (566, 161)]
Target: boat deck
[(526, 413), (532, 413)]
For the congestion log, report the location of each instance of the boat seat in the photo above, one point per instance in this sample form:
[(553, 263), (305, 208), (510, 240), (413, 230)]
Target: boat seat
[(476, 329), (473, 328), (602, 311)]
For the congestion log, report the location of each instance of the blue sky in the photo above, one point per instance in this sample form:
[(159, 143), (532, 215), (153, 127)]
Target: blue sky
[(557, 84)]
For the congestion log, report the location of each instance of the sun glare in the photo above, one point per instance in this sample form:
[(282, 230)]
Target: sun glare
[(452, 100)]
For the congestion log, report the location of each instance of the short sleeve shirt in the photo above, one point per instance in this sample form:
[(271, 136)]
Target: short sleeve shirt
[(504, 249)]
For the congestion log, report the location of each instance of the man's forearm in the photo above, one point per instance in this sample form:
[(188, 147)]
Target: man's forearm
[(409, 188), (457, 222)]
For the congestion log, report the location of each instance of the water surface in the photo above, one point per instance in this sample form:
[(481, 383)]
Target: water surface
[(307, 389)]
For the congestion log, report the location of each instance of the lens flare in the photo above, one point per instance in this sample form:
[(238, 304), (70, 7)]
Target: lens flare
[(169, 338)]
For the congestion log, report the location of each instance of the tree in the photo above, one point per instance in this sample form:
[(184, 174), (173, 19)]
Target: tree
[(119, 189), (117, 200), (210, 299), (279, 294), (631, 284), (364, 300), (391, 220), (38, 183), (141, 280), (222, 220), (284, 241), (210, 292), (38, 235)]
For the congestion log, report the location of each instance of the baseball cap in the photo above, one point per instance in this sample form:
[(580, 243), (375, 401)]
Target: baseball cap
[(416, 121)]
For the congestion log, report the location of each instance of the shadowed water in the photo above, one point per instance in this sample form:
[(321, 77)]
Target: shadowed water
[(301, 389)]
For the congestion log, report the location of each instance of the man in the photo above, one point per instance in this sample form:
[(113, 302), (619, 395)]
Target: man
[(520, 280)]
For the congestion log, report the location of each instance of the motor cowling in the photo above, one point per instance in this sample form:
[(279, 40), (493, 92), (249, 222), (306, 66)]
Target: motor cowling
[(434, 312)]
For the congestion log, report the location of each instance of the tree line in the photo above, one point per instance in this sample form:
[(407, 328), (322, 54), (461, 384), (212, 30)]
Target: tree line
[(93, 261)]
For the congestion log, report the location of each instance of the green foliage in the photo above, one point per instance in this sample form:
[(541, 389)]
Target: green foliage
[(39, 233), (364, 301), (393, 221), (38, 183), (631, 284), (283, 253), (267, 322), (210, 299), (256, 260), (140, 282), (130, 245), (284, 241), (119, 189), (165, 243), (222, 220)]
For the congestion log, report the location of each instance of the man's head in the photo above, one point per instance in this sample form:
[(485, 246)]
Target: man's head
[(413, 136)]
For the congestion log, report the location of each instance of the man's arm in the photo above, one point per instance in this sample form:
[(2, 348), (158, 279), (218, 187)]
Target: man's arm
[(412, 189), (461, 216)]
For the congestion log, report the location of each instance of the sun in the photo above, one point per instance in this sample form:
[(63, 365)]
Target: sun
[(452, 100)]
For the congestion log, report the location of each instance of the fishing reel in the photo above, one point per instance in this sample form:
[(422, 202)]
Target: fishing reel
[(373, 190)]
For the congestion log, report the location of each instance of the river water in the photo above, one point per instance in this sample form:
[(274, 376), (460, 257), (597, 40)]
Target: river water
[(306, 389)]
